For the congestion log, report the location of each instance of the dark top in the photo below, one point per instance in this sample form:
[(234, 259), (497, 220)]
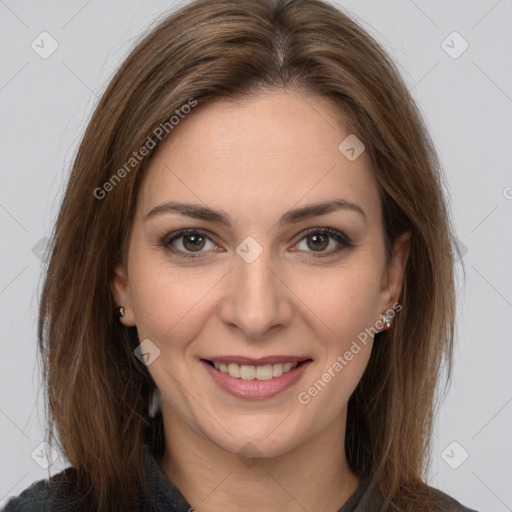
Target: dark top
[(166, 498)]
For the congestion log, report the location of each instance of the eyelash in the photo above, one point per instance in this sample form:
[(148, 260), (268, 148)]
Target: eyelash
[(342, 239)]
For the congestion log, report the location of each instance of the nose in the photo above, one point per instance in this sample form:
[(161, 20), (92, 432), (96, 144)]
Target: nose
[(256, 299)]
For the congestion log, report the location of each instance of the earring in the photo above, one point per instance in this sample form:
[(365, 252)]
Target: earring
[(386, 320), (154, 403), (120, 312)]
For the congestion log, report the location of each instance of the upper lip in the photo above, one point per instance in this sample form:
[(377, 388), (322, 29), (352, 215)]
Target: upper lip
[(257, 362)]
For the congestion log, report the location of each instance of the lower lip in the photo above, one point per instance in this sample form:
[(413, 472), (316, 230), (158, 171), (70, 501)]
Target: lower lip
[(255, 389)]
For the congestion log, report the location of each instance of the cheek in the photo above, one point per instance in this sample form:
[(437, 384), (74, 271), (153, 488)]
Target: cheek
[(341, 310), (169, 303), (343, 301)]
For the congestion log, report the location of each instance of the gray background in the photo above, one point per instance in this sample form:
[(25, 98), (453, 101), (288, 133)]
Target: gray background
[(467, 101)]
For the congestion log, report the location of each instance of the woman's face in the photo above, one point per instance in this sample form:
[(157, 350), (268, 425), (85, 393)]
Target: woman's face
[(257, 284)]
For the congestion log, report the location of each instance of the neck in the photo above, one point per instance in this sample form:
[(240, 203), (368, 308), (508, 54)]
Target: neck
[(312, 476)]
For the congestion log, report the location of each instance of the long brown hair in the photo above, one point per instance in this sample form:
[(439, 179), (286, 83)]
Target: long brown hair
[(97, 390)]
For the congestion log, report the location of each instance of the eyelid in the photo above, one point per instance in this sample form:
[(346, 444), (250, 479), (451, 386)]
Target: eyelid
[(343, 240), (334, 233), (167, 240)]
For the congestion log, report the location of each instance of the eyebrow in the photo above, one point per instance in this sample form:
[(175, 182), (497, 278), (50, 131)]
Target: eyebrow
[(291, 217)]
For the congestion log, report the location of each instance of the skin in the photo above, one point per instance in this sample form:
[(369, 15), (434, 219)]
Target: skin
[(256, 159)]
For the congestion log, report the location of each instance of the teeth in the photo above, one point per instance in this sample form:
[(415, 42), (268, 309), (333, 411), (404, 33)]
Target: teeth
[(247, 372), (277, 370), (264, 372), (234, 370), (287, 367)]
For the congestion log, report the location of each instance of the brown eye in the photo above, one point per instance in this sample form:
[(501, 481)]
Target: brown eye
[(194, 242), (318, 242), (189, 243), (324, 242)]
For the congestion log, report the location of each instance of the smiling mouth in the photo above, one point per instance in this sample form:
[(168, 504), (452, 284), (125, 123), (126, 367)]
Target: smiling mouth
[(250, 372)]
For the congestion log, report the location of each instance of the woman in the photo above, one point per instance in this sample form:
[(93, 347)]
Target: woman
[(250, 291)]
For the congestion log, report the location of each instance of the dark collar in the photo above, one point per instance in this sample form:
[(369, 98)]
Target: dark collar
[(162, 493)]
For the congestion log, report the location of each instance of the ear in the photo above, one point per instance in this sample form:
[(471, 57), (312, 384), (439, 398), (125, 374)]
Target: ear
[(394, 274), (120, 288)]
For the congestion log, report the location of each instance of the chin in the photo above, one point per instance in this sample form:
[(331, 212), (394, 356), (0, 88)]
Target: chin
[(266, 439)]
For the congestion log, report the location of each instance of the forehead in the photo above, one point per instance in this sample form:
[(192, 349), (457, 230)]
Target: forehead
[(265, 154)]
